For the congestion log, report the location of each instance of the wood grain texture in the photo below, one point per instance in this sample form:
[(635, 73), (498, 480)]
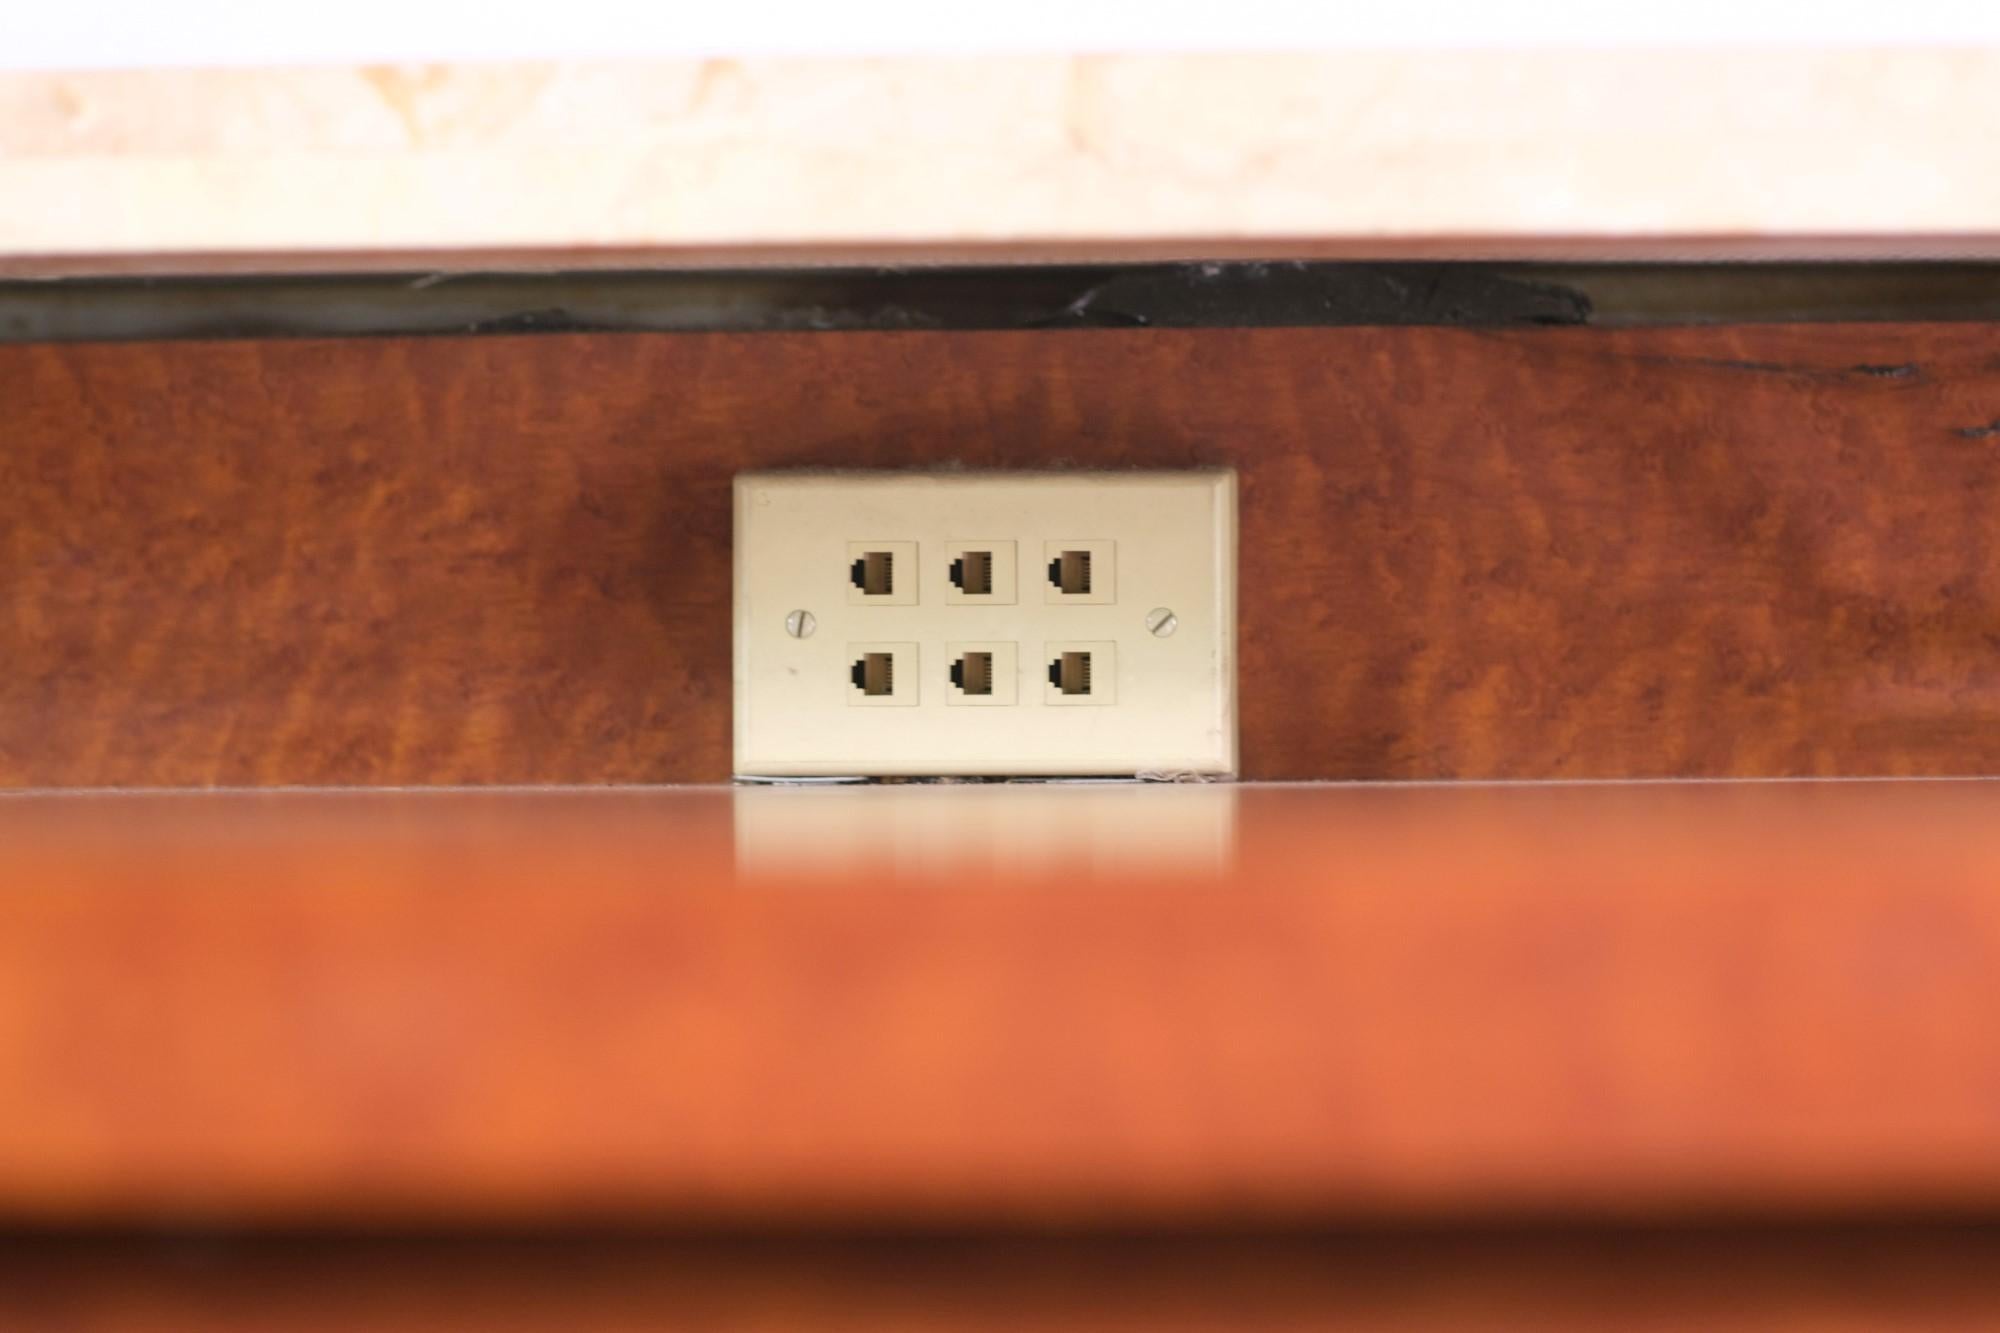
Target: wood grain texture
[(545, 1009), (1863, 1280), (1748, 551)]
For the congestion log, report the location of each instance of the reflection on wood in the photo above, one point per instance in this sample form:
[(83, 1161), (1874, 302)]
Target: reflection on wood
[(1005, 830), (1380, 1002)]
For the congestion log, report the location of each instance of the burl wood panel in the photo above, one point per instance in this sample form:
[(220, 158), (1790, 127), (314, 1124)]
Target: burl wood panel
[(543, 1008), (1857, 1280), (1746, 551)]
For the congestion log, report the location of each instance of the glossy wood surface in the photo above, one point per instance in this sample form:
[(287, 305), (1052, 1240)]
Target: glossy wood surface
[(1745, 551), (1831, 1280), (1178, 1005)]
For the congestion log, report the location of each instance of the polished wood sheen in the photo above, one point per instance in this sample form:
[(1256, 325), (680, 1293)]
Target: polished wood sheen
[(1744, 551), (971, 1006)]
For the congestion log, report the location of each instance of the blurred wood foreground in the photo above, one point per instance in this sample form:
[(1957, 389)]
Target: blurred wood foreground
[(1151, 1057)]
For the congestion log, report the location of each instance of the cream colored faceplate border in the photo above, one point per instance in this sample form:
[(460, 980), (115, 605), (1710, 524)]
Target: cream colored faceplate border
[(1165, 703)]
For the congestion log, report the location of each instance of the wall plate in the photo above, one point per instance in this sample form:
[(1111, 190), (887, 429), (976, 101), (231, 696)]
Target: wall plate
[(1092, 630)]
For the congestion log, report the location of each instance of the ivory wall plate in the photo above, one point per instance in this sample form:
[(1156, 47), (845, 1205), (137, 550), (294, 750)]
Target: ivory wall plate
[(1092, 628)]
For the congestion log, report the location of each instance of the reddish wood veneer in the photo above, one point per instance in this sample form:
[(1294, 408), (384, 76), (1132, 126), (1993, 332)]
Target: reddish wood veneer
[(1417, 1003), (1744, 551)]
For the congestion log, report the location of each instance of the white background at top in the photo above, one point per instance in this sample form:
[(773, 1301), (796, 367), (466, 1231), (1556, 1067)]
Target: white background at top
[(84, 34)]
